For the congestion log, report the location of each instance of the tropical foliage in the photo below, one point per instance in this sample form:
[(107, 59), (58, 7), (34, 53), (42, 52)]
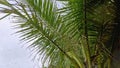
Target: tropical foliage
[(77, 35)]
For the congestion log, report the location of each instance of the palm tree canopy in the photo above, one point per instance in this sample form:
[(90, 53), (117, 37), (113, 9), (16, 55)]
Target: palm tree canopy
[(76, 35)]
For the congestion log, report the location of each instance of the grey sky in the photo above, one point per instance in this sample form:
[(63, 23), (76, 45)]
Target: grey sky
[(12, 53)]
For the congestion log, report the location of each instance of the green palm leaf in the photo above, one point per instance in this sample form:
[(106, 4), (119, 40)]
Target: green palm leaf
[(73, 36)]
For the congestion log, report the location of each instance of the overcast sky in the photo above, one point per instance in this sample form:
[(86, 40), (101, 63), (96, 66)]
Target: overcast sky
[(12, 53)]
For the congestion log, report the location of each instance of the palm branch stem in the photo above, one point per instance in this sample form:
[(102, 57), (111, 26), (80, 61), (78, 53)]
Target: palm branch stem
[(86, 35), (56, 45)]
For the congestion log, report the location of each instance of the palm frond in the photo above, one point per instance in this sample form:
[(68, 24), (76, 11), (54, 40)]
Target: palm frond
[(74, 36)]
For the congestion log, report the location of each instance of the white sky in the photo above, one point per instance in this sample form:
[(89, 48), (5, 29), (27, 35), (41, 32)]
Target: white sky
[(12, 53)]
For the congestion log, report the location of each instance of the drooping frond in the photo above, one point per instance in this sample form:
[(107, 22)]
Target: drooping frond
[(73, 36)]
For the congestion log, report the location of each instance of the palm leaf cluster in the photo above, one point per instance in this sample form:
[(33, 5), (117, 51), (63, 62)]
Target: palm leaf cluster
[(76, 35)]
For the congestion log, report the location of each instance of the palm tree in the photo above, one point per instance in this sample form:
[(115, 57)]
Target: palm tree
[(81, 34), (116, 36)]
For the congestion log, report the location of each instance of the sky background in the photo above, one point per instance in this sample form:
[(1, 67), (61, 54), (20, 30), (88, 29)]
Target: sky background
[(12, 53)]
